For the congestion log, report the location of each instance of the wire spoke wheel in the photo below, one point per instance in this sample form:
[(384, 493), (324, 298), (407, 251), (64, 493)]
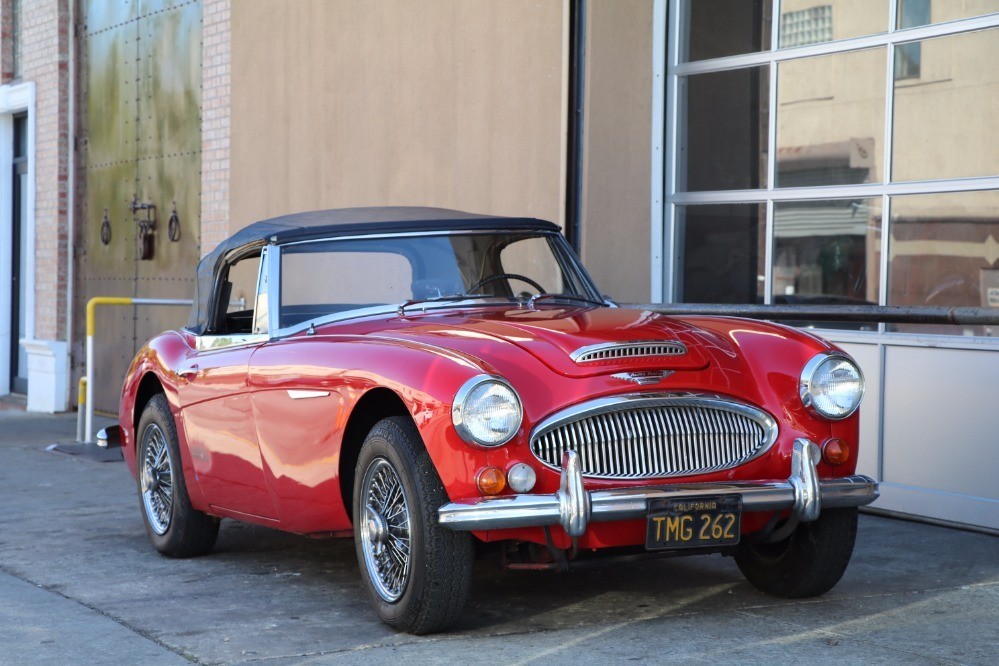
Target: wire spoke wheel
[(156, 479), (174, 526), (385, 530), (417, 572)]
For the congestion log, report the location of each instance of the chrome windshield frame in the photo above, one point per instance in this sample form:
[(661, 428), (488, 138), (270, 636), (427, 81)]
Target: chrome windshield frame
[(567, 261)]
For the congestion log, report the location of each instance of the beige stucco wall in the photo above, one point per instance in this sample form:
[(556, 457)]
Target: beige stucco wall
[(338, 103), (617, 156)]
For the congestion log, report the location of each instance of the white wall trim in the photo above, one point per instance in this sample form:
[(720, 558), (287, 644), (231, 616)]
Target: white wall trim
[(48, 375), (15, 98)]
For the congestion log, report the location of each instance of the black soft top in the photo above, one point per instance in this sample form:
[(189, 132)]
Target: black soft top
[(339, 222)]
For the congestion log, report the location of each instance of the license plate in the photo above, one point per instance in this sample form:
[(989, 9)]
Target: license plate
[(693, 523)]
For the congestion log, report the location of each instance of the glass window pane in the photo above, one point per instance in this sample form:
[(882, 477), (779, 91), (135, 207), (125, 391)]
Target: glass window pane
[(827, 252), (368, 277), (718, 28), (722, 253), (830, 119), (813, 21), (914, 13), (946, 124), (944, 251), (724, 142)]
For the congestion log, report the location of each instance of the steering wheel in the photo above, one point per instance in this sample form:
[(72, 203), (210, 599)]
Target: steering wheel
[(505, 276)]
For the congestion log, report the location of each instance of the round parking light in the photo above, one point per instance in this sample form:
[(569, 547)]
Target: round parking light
[(835, 451), (490, 480), (521, 478)]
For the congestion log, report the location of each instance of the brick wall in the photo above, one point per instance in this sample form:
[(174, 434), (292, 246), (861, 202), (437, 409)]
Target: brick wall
[(215, 77), (6, 43), (45, 49)]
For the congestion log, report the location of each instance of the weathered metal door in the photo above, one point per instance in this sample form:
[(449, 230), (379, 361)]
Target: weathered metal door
[(141, 186)]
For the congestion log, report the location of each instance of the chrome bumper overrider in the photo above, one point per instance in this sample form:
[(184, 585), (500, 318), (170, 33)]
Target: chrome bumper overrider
[(109, 438), (573, 507)]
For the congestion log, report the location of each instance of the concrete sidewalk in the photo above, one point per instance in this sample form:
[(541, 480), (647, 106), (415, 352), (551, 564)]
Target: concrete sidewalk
[(79, 583)]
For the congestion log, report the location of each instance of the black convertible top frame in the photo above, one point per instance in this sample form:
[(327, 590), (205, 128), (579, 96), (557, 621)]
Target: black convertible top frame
[(339, 222)]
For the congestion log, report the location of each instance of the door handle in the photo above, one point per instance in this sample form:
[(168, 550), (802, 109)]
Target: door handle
[(189, 372)]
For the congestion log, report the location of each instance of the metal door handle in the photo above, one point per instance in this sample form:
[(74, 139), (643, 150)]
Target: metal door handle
[(188, 373)]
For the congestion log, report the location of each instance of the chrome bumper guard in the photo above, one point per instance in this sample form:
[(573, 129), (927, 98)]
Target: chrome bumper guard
[(574, 508)]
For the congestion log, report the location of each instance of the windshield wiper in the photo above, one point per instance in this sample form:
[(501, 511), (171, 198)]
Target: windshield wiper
[(450, 298), (565, 297)]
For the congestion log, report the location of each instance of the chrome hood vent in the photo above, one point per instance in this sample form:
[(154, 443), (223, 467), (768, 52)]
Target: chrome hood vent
[(616, 351)]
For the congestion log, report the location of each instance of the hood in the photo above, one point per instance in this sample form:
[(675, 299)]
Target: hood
[(615, 337)]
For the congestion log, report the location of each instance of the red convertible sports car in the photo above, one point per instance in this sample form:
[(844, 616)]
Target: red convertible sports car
[(424, 379)]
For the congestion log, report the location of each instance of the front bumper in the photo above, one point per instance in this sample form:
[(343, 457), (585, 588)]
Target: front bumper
[(573, 507), (109, 438)]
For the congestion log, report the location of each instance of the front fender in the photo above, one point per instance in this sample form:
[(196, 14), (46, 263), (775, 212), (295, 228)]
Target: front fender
[(424, 377), (157, 361), (774, 355)]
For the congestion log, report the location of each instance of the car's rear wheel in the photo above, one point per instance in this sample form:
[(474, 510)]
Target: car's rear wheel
[(175, 528), (807, 563), (417, 573)]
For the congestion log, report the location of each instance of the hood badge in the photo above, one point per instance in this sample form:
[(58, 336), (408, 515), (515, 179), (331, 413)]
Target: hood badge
[(644, 377)]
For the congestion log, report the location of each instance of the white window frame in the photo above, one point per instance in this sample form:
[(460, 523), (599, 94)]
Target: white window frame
[(15, 99), (666, 197)]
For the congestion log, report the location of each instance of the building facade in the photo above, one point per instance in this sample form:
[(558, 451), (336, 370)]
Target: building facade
[(702, 151)]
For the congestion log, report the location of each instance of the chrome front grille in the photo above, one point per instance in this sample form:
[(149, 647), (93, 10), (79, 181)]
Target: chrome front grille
[(639, 436), (628, 350)]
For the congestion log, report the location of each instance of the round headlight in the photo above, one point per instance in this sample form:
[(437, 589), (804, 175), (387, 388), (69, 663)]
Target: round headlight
[(486, 411), (831, 385)]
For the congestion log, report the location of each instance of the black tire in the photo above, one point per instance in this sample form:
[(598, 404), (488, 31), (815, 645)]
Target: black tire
[(428, 592), (807, 563), (175, 528)]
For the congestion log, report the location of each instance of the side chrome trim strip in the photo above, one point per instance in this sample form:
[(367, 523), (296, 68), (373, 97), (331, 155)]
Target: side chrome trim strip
[(210, 342), (302, 394)]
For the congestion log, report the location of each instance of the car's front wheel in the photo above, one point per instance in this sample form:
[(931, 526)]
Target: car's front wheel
[(417, 572), (175, 527), (807, 563)]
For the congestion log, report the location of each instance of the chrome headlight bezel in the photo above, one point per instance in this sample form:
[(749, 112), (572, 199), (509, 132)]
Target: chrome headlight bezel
[(807, 385), (459, 410)]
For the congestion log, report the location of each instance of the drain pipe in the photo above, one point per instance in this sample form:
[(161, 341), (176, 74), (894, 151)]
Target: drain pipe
[(71, 197), (574, 131)]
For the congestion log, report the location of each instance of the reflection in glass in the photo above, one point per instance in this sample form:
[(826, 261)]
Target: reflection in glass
[(722, 253), (830, 119), (944, 251), (718, 28), (805, 22), (945, 121), (908, 57), (725, 142), (827, 252), (914, 13)]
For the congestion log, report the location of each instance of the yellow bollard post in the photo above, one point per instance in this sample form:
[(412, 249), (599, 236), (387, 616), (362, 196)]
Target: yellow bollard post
[(88, 385), (81, 408)]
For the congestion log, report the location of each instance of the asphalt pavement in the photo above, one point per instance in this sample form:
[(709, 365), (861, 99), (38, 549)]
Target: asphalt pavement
[(79, 583)]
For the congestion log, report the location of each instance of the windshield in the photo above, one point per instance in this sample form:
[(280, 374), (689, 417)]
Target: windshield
[(328, 277)]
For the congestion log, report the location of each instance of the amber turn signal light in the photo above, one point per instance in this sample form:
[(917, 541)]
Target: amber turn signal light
[(835, 451), (490, 480)]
